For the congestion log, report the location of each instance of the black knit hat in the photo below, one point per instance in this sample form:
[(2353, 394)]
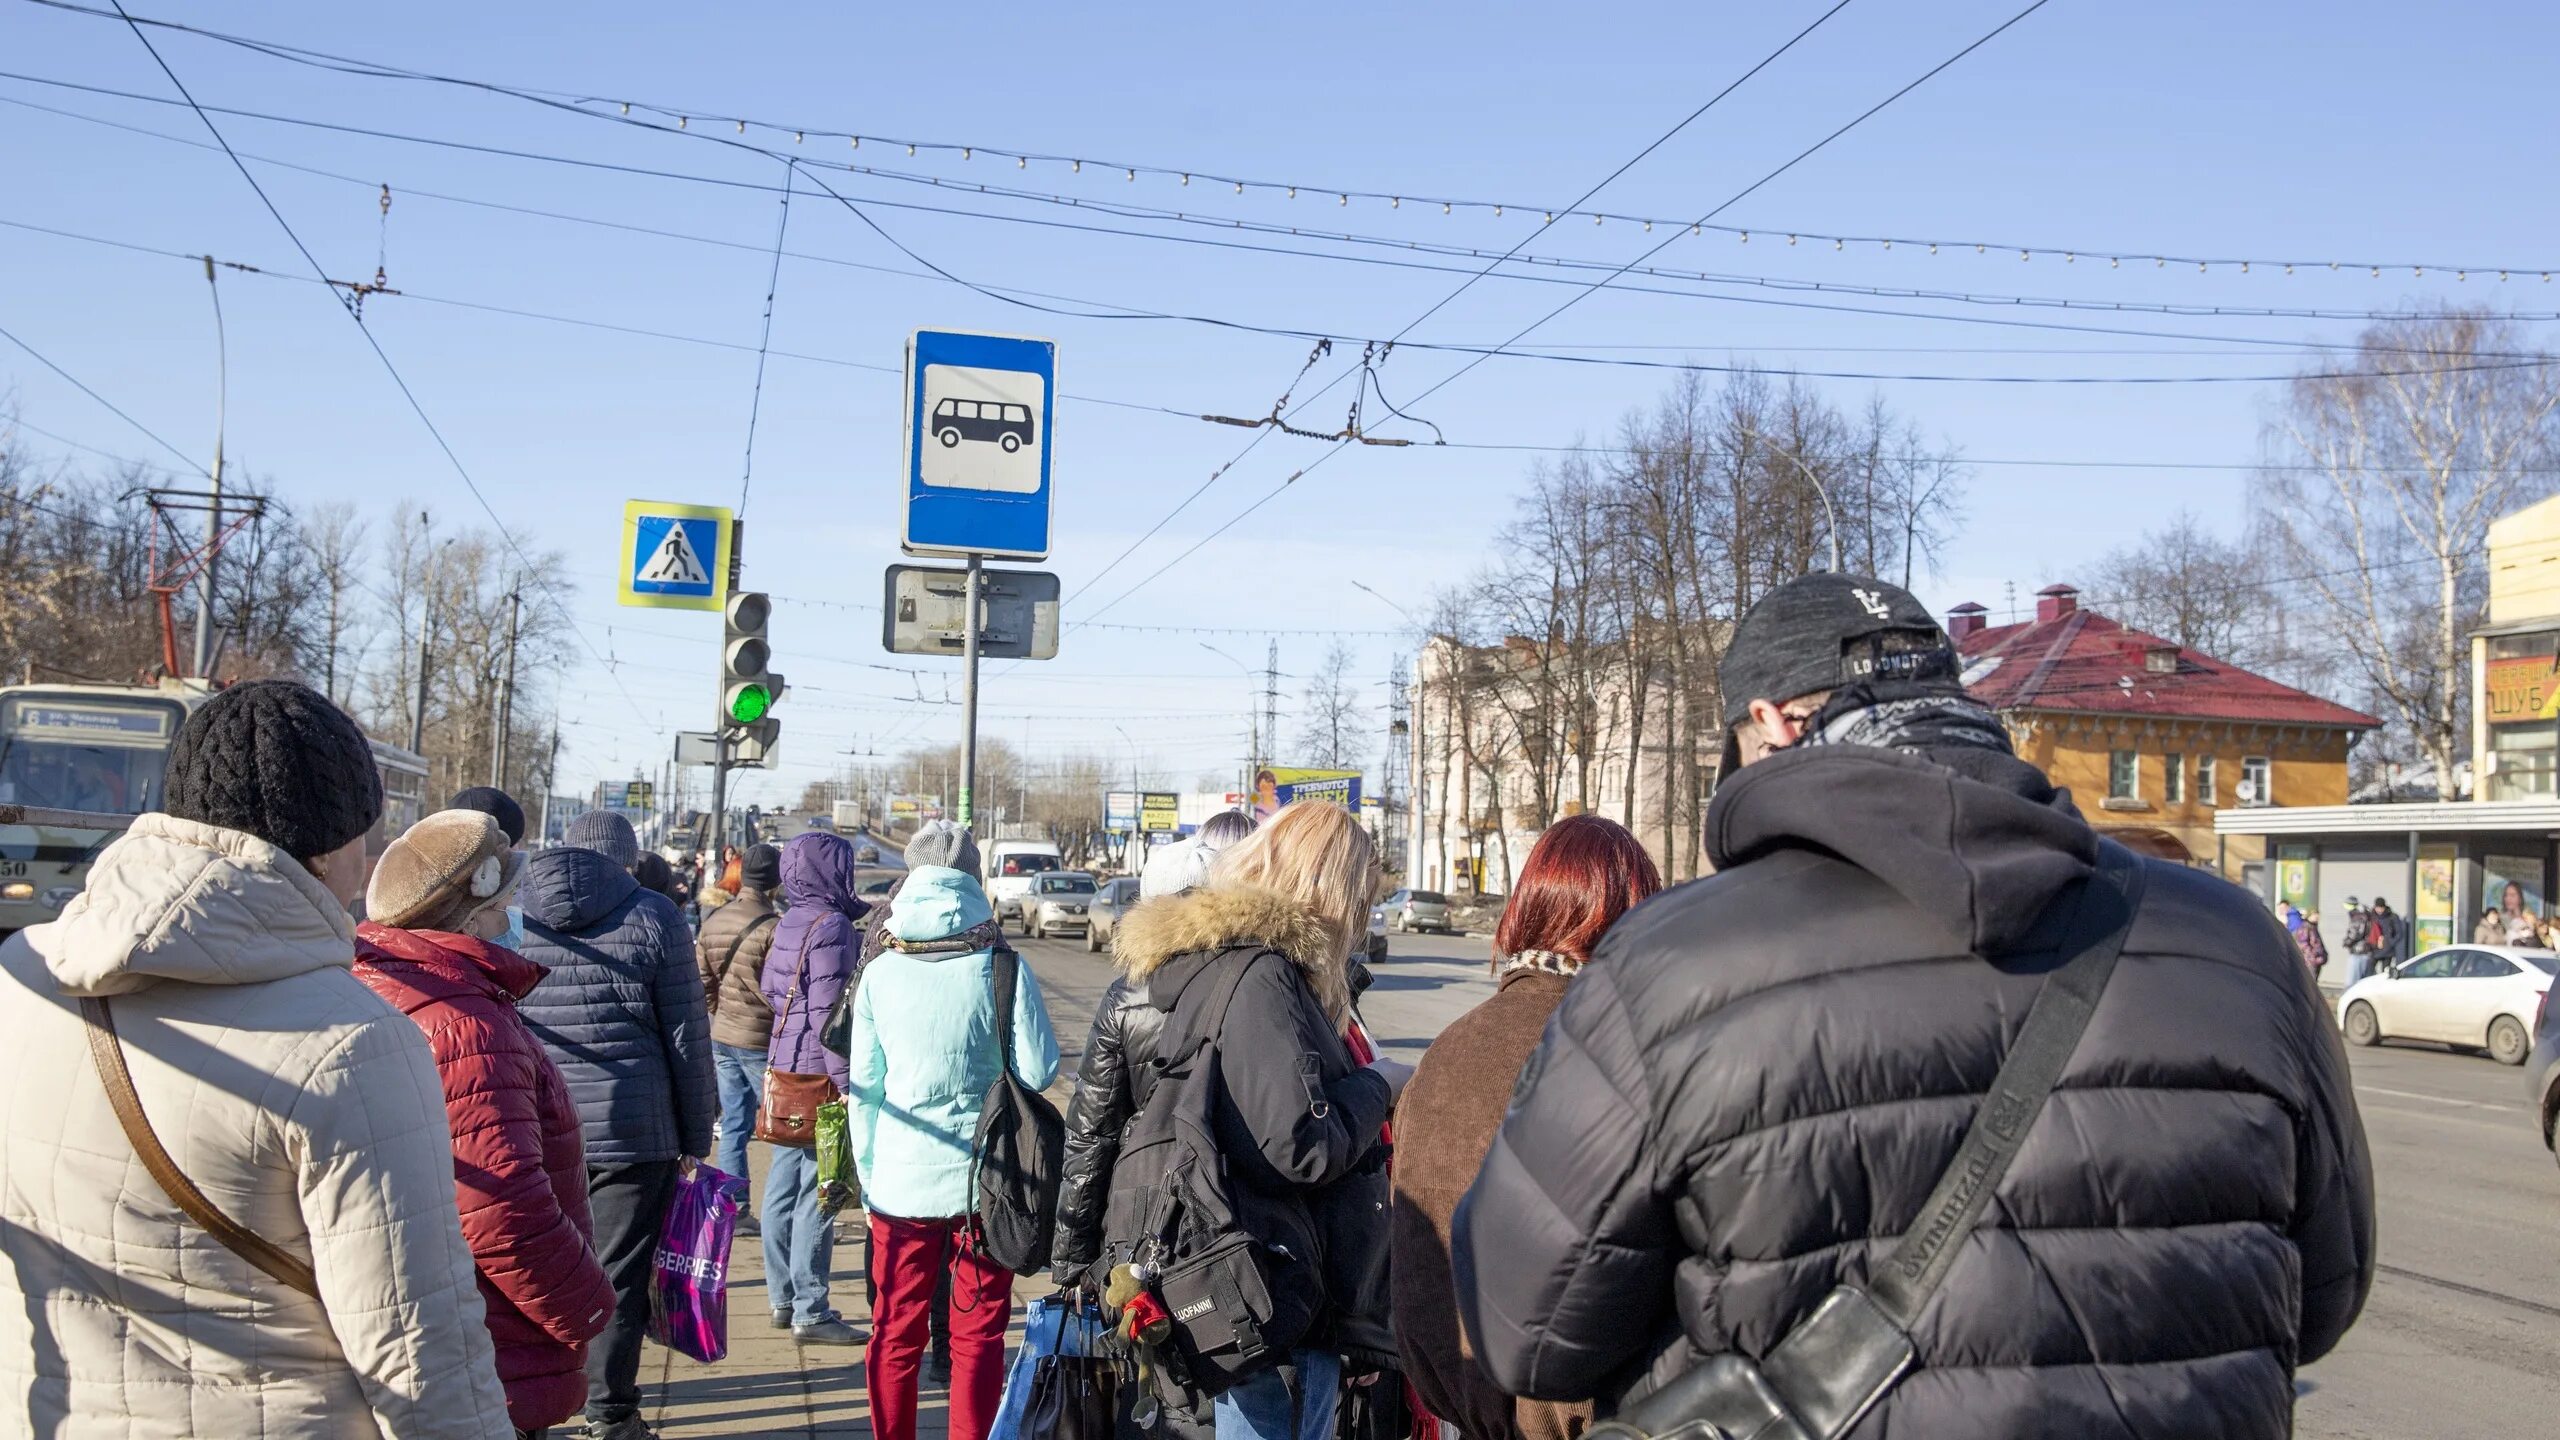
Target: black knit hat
[(495, 803), (277, 760), (761, 868)]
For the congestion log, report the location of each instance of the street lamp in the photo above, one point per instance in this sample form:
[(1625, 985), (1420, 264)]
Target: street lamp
[(1137, 797), (1830, 516), (1390, 604)]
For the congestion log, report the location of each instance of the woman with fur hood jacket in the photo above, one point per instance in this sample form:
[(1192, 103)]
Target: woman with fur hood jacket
[(1297, 1119)]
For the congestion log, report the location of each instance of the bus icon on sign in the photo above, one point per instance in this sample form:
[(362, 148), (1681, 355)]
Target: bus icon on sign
[(1007, 426)]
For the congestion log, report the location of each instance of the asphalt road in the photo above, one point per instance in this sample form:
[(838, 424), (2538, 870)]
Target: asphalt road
[(2461, 1331)]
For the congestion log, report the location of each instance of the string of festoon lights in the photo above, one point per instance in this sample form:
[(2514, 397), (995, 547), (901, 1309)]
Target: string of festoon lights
[(653, 115)]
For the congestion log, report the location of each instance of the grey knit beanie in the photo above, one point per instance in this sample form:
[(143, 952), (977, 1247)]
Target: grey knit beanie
[(943, 842), (276, 760), (606, 833)]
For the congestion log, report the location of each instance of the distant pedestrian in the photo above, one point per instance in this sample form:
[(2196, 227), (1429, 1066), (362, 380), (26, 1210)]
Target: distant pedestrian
[(622, 1014), (1770, 1083), (498, 805), (214, 938), (2315, 946), (2390, 933), (1581, 876), (2492, 929), (925, 1051), (808, 964), (731, 950), (439, 906)]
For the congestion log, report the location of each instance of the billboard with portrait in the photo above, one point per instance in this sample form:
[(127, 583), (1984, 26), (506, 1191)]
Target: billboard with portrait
[(1276, 786)]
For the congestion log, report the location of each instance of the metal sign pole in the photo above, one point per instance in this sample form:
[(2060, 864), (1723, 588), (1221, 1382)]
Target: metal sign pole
[(969, 698), (718, 827)]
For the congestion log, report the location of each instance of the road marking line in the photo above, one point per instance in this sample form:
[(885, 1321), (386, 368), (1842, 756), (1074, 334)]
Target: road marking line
[(2438, 1099)]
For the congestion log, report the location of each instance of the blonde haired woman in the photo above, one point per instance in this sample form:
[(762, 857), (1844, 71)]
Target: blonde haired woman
[(1298, 1120)]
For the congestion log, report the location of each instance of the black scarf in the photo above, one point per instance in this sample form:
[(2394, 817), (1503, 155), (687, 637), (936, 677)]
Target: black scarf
[(1914, 716)]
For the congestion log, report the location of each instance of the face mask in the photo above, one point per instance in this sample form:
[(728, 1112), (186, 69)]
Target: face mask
[(514, 938)]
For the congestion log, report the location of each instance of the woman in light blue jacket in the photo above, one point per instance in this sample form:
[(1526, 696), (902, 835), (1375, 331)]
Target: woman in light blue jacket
[(923, 1052)]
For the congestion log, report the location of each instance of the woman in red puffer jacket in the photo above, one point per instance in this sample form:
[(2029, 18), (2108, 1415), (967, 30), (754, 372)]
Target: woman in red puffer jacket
[(439, 902)]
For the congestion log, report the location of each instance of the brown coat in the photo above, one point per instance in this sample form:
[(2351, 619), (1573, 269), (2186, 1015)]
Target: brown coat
[(1444, 1125), (739, 1014)]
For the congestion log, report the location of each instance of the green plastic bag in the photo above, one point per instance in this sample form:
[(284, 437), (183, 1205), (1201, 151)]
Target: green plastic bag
[(838, 1187)]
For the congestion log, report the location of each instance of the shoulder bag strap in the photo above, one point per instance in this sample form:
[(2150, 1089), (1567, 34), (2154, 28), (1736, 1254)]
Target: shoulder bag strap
[(721, 976), (799, 977), (2018, 1093), (108, 1051), (1005, 973)]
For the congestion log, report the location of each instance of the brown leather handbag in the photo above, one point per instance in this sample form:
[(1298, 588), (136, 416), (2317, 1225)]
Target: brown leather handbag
[(108, 1051), (788, 1114)]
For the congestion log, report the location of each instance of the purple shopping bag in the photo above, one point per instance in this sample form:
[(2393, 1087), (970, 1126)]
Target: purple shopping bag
[(689, 1278)]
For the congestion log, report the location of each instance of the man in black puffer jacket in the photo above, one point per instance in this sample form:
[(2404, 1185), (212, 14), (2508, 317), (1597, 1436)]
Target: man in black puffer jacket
[(1748, 1095)]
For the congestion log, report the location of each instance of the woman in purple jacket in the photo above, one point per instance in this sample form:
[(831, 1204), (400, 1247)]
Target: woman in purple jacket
[(816, 948)]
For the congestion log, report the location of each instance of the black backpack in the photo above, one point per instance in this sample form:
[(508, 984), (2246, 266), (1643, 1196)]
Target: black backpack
[(1172, 1212), (1021, 1149)]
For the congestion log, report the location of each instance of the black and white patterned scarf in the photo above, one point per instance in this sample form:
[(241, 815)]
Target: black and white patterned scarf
[(1548, 961), (1912, 716)]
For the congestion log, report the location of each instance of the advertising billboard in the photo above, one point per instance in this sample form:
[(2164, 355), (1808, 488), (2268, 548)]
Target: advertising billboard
[(1160, 812), (1119, 811), (1280, 785)]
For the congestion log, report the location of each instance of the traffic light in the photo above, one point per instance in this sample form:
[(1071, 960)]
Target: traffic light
[(747, 688)]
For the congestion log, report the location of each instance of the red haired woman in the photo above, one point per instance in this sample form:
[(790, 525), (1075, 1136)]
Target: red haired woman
[(1583, 875)]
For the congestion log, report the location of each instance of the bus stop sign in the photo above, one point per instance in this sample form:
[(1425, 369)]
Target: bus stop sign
[(978, 432)]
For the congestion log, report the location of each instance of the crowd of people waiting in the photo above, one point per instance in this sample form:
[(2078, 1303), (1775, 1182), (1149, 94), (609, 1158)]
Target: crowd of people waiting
[(1690, 1136)]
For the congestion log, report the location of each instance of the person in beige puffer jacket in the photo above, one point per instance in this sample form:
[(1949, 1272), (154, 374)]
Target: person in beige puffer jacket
[(303, 1106)]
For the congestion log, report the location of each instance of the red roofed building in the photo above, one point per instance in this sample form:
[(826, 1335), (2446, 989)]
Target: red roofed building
[(2151, 737)]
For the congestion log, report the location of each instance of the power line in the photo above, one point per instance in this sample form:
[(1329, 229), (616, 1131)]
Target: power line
[(772, 284), (111, 407), (1616, 285), (605, 108), (375, 345)]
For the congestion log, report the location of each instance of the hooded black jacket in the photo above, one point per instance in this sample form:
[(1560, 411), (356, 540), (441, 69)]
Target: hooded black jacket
[(1297, 1122), (1746, 1097)]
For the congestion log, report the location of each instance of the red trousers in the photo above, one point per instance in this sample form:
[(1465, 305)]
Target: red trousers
[(908, 1258)]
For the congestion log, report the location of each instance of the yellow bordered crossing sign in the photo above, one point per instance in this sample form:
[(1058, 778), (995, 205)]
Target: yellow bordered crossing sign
[(675, 557)]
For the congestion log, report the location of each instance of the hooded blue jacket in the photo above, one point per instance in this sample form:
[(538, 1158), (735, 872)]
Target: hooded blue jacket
[(621, 1011), (822, 927), (925, 1050)]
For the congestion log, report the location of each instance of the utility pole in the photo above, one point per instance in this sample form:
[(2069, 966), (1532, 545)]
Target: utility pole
[(213, 512), (1270, 710), (506, 694), (550, 782), (418, 717)]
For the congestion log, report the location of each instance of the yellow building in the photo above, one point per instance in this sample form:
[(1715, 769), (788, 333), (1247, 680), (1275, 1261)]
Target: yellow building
[(2154, 740), (2515, 660)]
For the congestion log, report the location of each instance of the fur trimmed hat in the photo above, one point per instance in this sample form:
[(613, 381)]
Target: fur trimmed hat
[(448, 867)]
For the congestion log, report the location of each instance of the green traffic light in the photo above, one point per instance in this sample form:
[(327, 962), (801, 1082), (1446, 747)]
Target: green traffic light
[(748, 703)]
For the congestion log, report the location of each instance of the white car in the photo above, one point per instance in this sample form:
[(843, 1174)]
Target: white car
[(2478, 996)]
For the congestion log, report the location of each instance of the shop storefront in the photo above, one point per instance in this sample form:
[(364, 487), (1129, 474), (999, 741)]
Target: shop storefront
[(2520, 713), (2438, 864)]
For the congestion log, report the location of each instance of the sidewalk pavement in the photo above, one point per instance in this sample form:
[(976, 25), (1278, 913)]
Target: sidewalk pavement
[(769, 1385)]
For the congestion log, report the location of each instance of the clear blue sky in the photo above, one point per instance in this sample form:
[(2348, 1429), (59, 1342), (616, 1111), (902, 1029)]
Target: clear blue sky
[(2348, 130)]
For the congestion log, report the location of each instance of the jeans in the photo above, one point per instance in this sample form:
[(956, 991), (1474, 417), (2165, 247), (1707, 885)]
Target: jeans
[(1259, 1408), (629, 1206), (741, 1075), (799, 1243), (912, 1256)]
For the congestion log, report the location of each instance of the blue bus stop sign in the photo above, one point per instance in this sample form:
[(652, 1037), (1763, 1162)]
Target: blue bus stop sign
[(978, 431)]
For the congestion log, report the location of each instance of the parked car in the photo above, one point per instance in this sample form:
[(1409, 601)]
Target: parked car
[(2480, 997), (1059, 902), (2542, 1075), (1102, 916), (1410, 910), (1377, 932)]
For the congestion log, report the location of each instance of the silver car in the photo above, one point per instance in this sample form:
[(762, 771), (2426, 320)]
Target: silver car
[(1410, 910), (1059, 903)]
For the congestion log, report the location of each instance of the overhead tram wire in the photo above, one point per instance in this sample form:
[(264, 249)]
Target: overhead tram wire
[(764, 341), (2006, 301), (112, 408), (584, 106), (379, 353), (1799, 157)]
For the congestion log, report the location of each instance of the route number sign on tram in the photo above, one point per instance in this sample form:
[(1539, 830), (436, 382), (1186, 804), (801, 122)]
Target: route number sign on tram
[(675, 557), (978, 436)]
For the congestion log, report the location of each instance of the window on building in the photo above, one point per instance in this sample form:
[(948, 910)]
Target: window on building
[(2258, 776), (2124, 775), (2173, 779), (2522, 762), (2206, 781)]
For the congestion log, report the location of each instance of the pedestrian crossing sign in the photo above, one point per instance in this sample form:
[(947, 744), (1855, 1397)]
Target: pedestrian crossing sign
[(675, 557)]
